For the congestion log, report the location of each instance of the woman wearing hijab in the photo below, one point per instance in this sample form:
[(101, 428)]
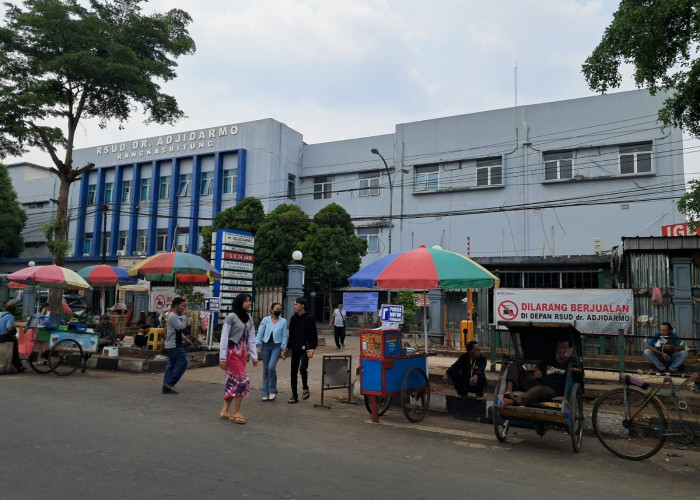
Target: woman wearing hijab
[(237, 340), (272, 336)]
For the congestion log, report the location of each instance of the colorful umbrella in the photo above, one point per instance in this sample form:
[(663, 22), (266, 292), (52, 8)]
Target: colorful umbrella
[(103, 275), (172, 264), (424, 269), (49, 277)]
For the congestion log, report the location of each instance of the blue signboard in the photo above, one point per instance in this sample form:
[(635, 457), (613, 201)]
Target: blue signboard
[(360, 301), (392, 314)]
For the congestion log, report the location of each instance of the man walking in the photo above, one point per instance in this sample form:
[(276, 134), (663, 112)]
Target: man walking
[(338, 321), (175, 346), (303, 339)]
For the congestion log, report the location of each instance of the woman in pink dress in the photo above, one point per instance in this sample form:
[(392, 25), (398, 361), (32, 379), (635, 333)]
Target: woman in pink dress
[(237, 340)]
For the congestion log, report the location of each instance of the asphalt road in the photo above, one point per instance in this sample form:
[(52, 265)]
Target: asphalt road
[(111, 435)]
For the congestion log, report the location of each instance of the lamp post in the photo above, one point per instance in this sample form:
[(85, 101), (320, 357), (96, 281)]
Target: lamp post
[(295, 282), (375, 151)]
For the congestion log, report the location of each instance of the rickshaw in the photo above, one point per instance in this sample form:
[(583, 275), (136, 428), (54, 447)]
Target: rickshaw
[(532, 343)]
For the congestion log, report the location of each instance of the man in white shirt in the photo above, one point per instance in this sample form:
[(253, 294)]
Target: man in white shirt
[(338, 321)]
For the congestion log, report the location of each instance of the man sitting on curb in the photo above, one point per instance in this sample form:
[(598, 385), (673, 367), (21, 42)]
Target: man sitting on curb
[(665, 351), (549, 380), (468, 372)]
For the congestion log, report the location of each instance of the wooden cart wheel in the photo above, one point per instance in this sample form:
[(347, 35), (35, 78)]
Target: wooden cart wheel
[(383, 404), (65, 357), (576, 417), (415, 394), (38, 360)]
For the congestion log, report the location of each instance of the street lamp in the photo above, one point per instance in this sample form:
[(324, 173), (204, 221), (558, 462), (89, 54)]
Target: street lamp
[(375, 151)]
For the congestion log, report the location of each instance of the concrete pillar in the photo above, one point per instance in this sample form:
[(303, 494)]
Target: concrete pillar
[(682, 296), (295, 287)]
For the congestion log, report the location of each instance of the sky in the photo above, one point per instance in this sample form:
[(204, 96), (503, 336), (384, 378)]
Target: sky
[(335, 70)]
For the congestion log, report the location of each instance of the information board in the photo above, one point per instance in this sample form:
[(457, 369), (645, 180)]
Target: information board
[(360, 301)]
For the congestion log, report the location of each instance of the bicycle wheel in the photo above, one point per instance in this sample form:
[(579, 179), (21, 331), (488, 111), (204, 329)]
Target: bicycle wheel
[(634, 440), (38, 360), (500, 426), (576, 417), (65, 356), (383, 404), (415, 394)]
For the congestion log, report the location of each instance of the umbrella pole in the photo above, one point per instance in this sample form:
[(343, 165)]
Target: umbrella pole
[(102, 301), (425, 323)]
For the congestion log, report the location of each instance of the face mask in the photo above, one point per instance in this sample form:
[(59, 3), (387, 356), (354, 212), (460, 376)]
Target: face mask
[(276, 313)]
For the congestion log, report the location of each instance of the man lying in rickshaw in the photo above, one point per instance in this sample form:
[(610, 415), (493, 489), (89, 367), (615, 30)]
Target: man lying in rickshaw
[(547, 381)]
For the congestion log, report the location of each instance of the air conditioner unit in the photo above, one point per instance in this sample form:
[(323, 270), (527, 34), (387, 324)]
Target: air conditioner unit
[(181, 248), (87, 254), (597, 246), (121, 252)]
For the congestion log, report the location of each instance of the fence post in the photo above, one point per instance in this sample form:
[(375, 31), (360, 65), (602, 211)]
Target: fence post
[(621, 349), (494, 336)]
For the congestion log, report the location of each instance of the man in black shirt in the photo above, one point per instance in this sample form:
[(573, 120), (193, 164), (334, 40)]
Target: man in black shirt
[(303, 339), (549, 380)]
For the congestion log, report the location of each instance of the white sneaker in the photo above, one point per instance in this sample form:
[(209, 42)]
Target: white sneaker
[(265, 398), (273, 396)]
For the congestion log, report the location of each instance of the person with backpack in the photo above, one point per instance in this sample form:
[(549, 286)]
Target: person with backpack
[(8, 333)]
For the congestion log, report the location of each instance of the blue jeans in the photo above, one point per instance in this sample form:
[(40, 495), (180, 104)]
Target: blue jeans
[(176, 366), (270, 354), (675, 360)]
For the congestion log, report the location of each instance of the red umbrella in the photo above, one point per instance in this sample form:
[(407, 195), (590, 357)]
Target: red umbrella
[(167, 265), (103, 275)]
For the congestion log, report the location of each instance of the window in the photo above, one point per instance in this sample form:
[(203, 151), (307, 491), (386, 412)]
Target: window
[(371, 236), (369, 184), (426, 178), (635, 158), (109, 189), (559, 165), (489, 172), (206, 188), (91, 194), (141, 240), (145, 190), (123, 235), (162, 240), (230, 179), (164, 188), (291, 186), (323, 187), (183, 188), (87, 244), (181, 241), (126, 191)]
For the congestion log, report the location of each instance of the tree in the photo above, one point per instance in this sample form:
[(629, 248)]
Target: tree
[(12, 217), (660, 40), (689, 204), (63, 62), (282, 232), (407, 299), (331, 250), (244, 216)]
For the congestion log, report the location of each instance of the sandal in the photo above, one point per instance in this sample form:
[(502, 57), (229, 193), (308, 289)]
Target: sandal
[(293, 400), (238, 418), (225, 416), (305, 394)]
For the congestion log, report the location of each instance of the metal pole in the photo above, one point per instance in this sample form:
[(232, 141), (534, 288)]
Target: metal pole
[(391, 204), (104, 232)]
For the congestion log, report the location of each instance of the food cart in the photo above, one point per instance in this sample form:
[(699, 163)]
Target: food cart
[(388, 369)]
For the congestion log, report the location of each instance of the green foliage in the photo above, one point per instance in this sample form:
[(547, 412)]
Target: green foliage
[(660, 40), (407, 299), (689, 204), (282, 232), (187, 292), (247, 215), (62, 61), (12, 217), (58, 248), (331, 250)]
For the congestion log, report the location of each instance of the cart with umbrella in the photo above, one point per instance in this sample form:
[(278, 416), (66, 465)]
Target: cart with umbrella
[(383, 360), (49, 346)]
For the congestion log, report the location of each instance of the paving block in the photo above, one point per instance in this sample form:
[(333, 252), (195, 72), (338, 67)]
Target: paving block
[(131, 365)]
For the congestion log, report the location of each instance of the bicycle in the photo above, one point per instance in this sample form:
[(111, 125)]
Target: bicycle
[(52, 352), (634, 424)]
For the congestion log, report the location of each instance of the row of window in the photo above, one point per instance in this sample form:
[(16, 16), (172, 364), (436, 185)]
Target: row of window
[(184, 188), (180, 243), (559, 165)]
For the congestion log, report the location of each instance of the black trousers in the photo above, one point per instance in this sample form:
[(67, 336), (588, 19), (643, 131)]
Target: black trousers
[(300, 364), (7, 337), (339, 335)]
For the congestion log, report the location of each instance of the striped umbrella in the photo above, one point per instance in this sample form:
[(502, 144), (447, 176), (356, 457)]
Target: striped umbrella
[(170, 264), (49, 277), (103, 275)]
